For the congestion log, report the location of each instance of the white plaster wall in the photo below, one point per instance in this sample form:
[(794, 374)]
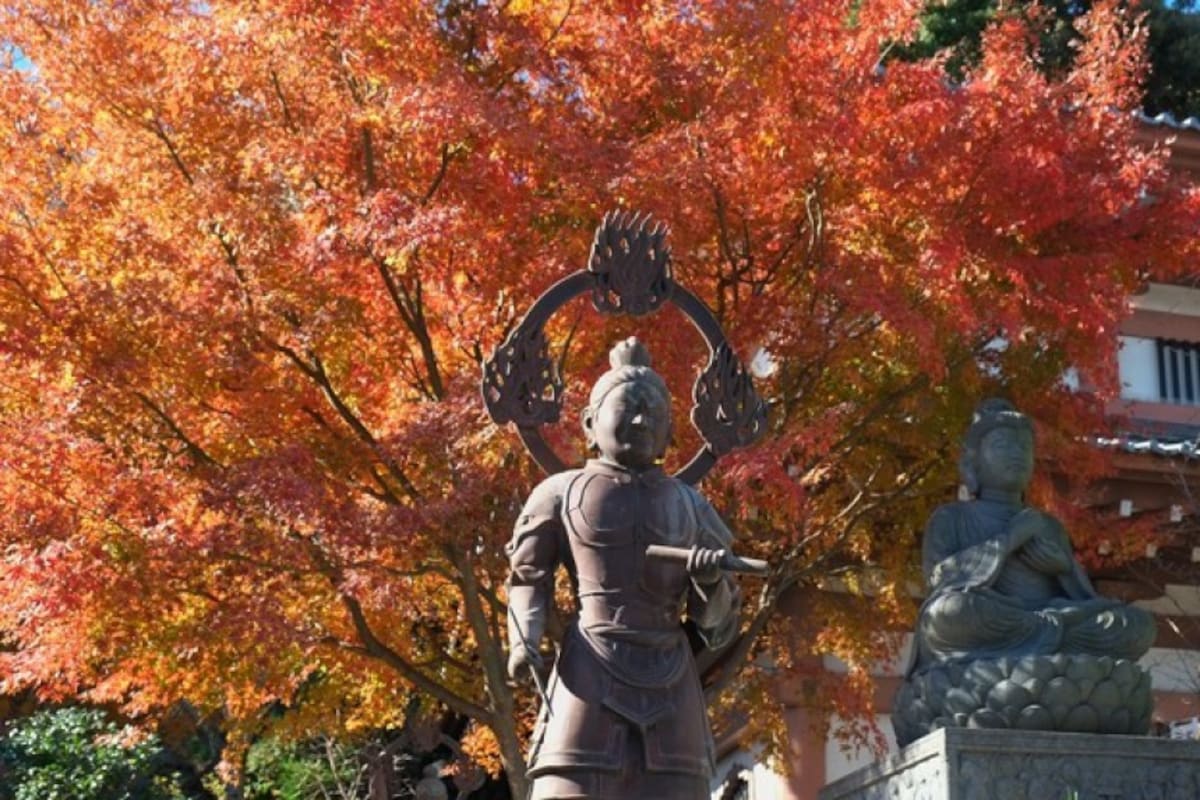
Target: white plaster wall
[(764, 784), (1173, 670), (840, 761), (1137, 365), (1168, 298)]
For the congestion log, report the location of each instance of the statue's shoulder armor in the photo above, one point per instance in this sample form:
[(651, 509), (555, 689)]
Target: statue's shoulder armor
[(544, 502)]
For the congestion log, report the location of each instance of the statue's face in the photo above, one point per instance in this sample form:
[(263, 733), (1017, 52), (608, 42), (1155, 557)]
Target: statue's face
[(632, 425), (1005, 459)]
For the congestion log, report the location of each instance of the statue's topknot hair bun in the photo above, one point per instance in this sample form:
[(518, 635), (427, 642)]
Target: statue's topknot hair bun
[(630, 361), (629, 353)]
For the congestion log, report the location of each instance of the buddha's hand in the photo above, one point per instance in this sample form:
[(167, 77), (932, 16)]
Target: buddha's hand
[(1046, 557), (523, 661), (704, 565), (1047, 548), (1027, 525)]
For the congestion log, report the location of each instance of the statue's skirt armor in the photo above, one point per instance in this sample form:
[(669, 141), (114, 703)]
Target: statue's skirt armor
[(607, 739)]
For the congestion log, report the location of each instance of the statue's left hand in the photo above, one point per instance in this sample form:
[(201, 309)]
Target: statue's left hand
[(524, 660), (704, 565), (1047, 556)]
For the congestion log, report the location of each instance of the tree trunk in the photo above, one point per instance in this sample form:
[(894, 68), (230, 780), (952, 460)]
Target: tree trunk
[(495, 673), (512, 755)]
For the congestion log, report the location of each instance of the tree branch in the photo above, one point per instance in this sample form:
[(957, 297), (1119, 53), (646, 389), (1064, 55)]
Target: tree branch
[(374, 647), (288, 121), (193, 448), (377, 649), (368, 146), (44, 252), (411, 308), (158, 130), (494, 667), (447, 157), (27, 294), (316, 372)]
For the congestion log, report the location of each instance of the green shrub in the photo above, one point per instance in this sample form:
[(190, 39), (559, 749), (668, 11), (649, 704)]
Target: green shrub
[(75, 754), (320, 768)]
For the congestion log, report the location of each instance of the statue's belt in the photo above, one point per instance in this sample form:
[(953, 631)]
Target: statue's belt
[(647, 659)]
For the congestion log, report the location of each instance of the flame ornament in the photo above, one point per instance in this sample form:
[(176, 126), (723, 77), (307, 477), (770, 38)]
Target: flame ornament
[(632, 265)]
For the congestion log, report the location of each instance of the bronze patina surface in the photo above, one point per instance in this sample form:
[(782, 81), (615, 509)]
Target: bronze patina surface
[(623, 711), (1012, 634)]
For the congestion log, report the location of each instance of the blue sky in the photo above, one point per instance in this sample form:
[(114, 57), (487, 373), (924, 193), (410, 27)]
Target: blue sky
[(20, 61)]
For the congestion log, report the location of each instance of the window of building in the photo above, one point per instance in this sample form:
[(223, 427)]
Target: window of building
[(1159, 370), (1178, 371)]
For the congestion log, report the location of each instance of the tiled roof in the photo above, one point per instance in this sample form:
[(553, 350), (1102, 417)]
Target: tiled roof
[(1189, 448), (1168, 120)]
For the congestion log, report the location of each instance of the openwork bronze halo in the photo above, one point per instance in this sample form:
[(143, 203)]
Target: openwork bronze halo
[(629, 272)]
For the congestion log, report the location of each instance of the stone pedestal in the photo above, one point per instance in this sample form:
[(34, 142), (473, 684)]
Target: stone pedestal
[(1077, 693), (975, 764)]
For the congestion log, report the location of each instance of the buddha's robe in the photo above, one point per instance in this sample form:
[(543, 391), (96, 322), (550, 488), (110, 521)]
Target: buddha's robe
[(992, 595)]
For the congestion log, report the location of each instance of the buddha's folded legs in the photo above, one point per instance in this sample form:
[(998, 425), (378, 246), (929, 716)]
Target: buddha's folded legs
[(982, 623), (1120, 632)]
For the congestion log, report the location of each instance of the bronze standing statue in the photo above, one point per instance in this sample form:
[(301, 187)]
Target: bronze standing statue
[(1012, 634), (623, 714), (626, 715)]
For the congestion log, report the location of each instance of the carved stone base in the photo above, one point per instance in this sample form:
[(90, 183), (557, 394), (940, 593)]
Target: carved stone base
[(965, 764), (1075, 694)]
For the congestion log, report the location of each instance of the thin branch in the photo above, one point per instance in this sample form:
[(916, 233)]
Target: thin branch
[(229, 249), (549, 41), (193, 448), (369, 174), (27, 294), (44, 251), (732, 658), (377, 649), (887, 403), (331, 759), (490, 654), (315, 370), (410, 305), (498, 606), (288, 121), (446, 158), (161, 133), (373, 646)]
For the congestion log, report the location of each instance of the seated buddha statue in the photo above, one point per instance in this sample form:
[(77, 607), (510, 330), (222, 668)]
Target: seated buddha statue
[(1001, 575)]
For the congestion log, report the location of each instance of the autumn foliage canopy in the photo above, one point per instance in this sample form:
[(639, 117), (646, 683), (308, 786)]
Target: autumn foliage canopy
[(253, 254)]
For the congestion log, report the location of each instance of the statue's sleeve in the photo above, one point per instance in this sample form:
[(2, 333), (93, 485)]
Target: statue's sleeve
[(714, 607), (947, 564), (533, 555)]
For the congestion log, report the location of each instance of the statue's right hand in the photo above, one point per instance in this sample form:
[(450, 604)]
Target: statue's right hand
[(523, 661), (1025, 526)]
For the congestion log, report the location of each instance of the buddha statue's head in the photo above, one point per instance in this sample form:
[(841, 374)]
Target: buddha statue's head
[(998, 451), (628, 417)]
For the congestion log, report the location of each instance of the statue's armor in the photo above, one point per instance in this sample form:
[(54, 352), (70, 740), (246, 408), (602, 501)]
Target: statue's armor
[(626, 670)]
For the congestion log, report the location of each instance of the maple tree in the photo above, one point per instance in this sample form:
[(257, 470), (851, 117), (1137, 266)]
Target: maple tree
[(253, 255)]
